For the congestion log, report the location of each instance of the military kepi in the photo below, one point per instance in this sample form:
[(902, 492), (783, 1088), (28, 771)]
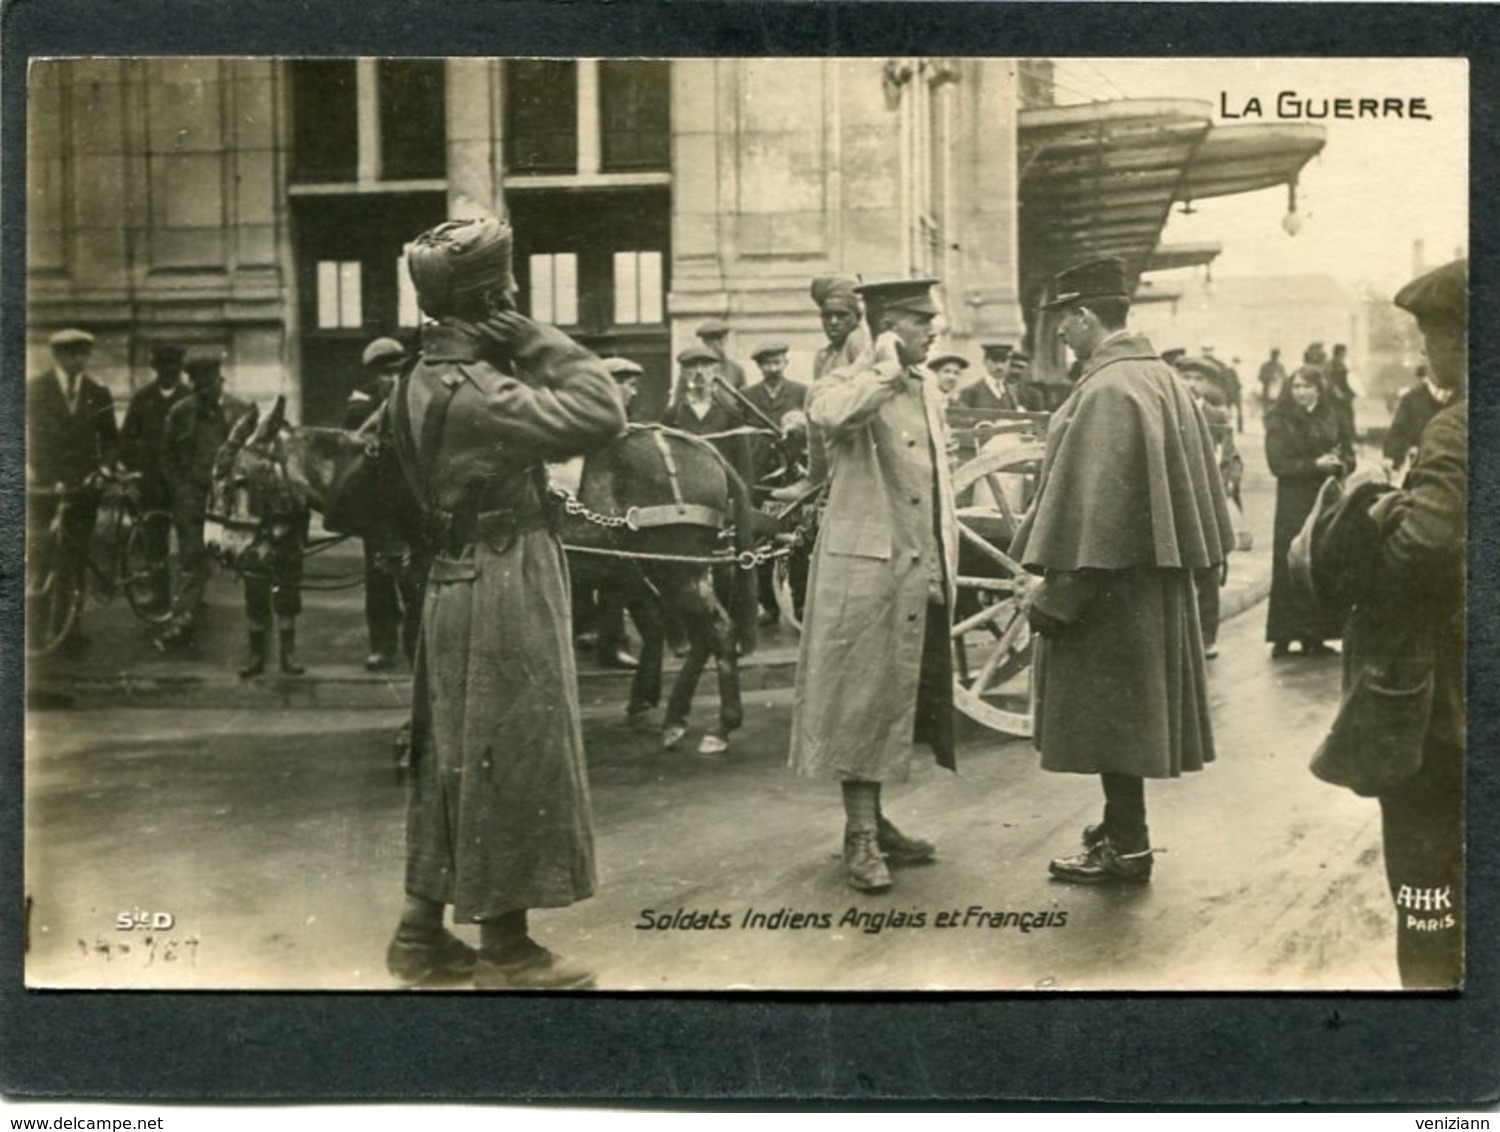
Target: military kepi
[(1096, 279), (1441, 295)]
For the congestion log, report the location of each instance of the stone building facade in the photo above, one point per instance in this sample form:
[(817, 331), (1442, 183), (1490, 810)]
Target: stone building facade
[(260, 207)]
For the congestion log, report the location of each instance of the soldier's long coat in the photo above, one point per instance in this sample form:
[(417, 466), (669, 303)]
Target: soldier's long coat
[(498, 817), (1128, 504), (888, 535)]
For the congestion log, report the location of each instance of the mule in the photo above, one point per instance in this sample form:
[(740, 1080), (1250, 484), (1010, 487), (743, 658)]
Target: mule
[(651, 492)]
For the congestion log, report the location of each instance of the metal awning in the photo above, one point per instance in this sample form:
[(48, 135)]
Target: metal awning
[(1169, 256), (1101, 179)]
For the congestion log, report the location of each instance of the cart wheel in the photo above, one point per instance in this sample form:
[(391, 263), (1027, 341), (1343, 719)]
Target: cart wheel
[(136, 568), (991, 637)]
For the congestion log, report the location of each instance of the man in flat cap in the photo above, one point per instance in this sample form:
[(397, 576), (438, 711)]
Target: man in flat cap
[(1128, 505), (141, 438), (875, 670), (714, 335), (498, 816), (627, 375), (71, 436), (393, 582), (195, 429), (1412, 603), (783, 402), (699, 407)]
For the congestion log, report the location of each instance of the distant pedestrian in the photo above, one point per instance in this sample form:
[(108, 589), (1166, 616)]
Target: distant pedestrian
[(1305, 444), (1416, 407), (1271, 378), (949, 371), (714, 334), (1001, 385), (393, 583), (141, 439), (71, 438)]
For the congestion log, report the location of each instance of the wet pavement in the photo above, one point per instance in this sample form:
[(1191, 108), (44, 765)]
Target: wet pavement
[(273, 839), (251, 834)]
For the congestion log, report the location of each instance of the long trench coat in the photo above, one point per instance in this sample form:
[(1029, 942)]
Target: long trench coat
[(1129, 504), (1295, 438), (498, 817), (888, 539)]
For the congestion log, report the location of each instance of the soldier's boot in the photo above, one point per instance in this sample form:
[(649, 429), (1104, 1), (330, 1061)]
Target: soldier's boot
[(255, 659), (289, 664)]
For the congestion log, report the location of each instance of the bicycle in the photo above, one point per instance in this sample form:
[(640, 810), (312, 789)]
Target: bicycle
[(117, 559)]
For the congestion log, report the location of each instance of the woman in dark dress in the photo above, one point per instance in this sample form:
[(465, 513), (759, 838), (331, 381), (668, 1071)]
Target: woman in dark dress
[(1306, 443)]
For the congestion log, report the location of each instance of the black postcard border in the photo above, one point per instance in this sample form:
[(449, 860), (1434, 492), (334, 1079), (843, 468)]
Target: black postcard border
[(804, 1050)]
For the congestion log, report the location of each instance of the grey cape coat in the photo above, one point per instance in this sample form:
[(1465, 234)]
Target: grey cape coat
[(887, 539), (1128, 504), (498, 817)]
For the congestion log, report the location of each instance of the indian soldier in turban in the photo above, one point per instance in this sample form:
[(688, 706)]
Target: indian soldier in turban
[(498, 821)]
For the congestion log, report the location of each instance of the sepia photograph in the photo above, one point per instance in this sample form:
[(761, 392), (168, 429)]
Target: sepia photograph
[(727, 524)]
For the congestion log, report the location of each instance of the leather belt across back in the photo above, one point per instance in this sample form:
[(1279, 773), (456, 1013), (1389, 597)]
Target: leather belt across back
[(493, 527)]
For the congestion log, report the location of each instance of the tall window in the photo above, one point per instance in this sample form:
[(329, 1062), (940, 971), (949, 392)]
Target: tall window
[(541, 100), (325, 120), (408, 310), (364, 120), (554, 288), (340, 296), (638, 288), (634, 114), (412, 134)]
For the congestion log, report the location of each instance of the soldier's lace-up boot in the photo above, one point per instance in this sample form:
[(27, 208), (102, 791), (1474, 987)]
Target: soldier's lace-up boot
[(864, 867)]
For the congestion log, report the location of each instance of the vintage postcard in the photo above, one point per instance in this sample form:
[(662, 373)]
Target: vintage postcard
[(934, 624)]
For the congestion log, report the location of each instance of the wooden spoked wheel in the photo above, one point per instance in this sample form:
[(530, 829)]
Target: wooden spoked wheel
[(992, 647)]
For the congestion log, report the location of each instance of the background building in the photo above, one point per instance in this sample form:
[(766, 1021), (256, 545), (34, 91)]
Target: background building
[(262, 207)]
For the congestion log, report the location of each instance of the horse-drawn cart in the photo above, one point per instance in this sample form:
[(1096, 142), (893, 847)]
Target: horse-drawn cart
[(994, 457)]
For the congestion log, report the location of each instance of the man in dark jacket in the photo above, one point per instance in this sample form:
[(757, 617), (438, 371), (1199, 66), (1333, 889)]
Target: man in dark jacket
[(195, 430), (1001, 386), (141, 439), (71, 436), (1420, 570), (393, 591), (1129, 504), (1417, 406)]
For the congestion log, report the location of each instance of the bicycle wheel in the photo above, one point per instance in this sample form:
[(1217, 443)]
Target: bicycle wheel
[(142, 573), (51, 607)]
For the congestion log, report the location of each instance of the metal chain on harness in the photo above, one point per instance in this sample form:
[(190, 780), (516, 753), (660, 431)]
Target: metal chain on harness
[(745, 559)]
